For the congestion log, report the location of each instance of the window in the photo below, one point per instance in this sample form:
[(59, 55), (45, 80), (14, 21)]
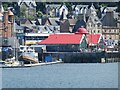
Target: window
[(113, 31), (98, 31), (99, 25), (109, 30), (110, 37), (105, 30), (116, 43)]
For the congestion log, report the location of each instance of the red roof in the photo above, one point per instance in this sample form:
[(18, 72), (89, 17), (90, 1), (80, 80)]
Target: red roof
[(62, 39), (81, 31), (93, 38)]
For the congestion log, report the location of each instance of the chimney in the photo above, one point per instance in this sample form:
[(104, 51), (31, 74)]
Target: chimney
[(5, 24), (80, 17), (63, 15), (110, 13), (11, 16)]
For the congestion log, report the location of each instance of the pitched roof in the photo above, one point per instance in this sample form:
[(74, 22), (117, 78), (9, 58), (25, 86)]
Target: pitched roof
[(27, 2), (33, 22), (51, 21), (54, 21), (94, 19), (111, 8), (53, 5), (1, 14), (63, 39), (10, 13), (18, 27), (93, 39), (79, 23), (38, 21), (24, 20), (109, 20), (79, 6)]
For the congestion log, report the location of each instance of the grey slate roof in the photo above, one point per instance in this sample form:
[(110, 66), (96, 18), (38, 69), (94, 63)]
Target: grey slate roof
[(109, 20), (72, 21), (49, 29), (38, 21), (23, 20), (18, 27), (79, 6), (79, 23), (53, 21), (94, 20), (112, 8), (53, 6), (33, 23)]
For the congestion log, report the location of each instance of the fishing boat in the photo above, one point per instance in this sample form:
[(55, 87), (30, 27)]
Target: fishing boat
[(27, 58), (28, 55)]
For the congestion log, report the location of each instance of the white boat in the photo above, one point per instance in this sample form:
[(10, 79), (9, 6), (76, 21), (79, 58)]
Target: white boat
[(18, 65), (5, 64), (28, 54)]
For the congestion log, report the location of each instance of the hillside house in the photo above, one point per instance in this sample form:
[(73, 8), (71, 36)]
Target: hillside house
[(93, 24), (29, 6)]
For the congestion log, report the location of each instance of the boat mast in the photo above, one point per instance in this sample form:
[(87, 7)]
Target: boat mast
[(14, 35)]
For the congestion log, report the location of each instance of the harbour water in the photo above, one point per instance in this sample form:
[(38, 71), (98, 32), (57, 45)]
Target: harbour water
[(74, 75)]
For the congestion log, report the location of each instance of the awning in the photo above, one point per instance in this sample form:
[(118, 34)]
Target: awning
[(30, 42)]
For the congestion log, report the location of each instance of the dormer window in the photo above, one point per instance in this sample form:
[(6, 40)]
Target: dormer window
[(99, 25), (96, 20), (10, 18)]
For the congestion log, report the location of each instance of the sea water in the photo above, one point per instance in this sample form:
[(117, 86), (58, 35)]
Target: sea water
[(0, 78), (74, 75)]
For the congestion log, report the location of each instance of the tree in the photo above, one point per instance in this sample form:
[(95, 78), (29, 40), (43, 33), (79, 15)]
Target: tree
[(31, 17), (69, 5), (22, 12), (118, 7), (39, 14), (41, 6), (5, 6)]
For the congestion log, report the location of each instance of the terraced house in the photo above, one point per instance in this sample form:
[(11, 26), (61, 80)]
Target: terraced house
[(27, 8)]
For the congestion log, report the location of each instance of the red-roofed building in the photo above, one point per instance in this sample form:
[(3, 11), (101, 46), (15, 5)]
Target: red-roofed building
[(65, 42), (95, 41), (81, 40)]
